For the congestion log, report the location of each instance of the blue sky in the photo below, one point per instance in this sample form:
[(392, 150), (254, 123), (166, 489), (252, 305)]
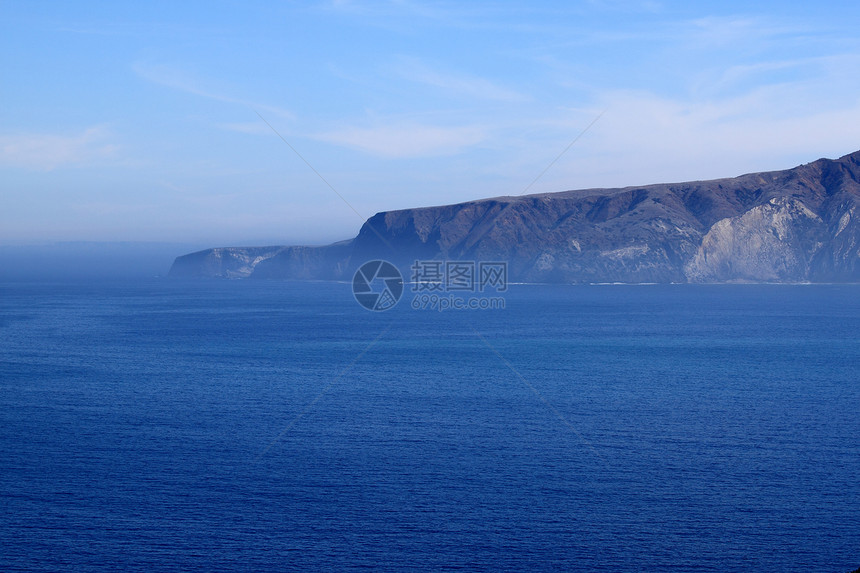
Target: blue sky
[(142, 121)]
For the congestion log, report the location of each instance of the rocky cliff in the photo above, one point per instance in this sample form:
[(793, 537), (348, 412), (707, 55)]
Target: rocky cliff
[(303, 263), (795, 225)]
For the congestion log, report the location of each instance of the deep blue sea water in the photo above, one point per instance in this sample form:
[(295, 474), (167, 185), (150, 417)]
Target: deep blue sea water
[(240, 425)]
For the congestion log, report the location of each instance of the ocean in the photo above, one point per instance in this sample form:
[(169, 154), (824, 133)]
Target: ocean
[(270, 426)]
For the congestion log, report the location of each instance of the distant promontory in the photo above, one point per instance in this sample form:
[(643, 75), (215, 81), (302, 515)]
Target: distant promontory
[(797, 225)]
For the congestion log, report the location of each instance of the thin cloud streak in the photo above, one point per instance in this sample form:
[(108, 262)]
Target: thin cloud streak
[(406, 140), (251, 128), (45, 152), (181, 81), (475, 87)]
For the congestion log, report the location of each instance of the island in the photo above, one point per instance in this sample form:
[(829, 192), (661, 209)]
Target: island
[(795, 225)]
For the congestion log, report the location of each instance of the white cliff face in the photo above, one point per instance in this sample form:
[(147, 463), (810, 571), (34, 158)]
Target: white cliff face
[(770, 242), (223, 262), (234, 263), (843, 252), (844, 221)]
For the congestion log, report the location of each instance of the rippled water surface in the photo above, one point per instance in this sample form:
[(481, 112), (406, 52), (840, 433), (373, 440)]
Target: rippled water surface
[(268, 426)]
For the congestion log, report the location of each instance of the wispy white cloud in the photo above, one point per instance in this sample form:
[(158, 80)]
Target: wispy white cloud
[(471, 86), (43, 151), (801, 73), (405, 10), (627, 5), (646, 138), (253, 128), (174, 78), (406, 140)]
